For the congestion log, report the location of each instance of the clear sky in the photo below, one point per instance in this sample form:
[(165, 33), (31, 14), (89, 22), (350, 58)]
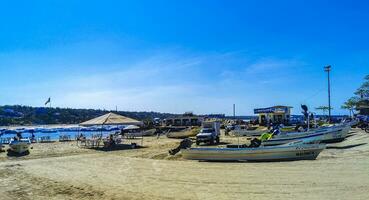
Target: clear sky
[(177, 56)]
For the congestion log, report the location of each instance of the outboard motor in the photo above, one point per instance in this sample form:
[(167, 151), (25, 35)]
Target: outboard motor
[(276, 131), (186, 143), (305, 111)]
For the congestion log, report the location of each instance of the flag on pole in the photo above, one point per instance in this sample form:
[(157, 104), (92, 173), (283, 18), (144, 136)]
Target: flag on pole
[(48, 101)]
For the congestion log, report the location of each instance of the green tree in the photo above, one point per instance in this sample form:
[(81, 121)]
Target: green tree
[(362, 97), (323, 108), (350, 105), (363, 90)]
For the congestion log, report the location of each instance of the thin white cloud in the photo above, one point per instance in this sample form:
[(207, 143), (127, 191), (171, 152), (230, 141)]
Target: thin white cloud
[(265, 65)]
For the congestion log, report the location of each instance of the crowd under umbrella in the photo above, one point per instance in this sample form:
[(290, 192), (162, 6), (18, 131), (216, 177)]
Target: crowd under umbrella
[(112, 119)]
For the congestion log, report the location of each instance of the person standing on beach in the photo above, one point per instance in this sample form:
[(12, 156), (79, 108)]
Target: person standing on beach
[(158, 133), (33, 137), (18, 136)]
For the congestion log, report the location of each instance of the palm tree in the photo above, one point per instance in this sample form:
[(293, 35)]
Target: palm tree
[(350, 105), (323, 108), (363, 90)]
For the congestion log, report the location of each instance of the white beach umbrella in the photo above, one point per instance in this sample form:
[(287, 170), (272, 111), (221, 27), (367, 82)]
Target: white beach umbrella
[(111, 119), (131, 127)]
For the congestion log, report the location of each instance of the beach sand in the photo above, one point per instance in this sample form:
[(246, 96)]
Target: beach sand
[(65, 171)]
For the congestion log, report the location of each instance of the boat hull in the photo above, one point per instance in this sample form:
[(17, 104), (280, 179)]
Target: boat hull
[(19, 146), (135, 134), (181, 134), (141, 133), (280, 153), (323, 135), (149, 132), (338, 135), (248, 132)]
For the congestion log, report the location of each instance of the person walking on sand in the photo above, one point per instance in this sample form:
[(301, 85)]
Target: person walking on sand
[(158, 133)]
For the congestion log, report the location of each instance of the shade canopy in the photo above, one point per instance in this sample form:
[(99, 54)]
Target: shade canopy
[(111, 119)]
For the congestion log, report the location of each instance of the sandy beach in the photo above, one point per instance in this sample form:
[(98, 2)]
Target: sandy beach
[(65, 171)]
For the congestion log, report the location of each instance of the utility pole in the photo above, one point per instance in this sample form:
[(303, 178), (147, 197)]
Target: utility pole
[(328, 69), (234, 118), (234, 112)]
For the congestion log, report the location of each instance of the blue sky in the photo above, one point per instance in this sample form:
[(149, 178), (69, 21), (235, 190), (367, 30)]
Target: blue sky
[(177, 56)]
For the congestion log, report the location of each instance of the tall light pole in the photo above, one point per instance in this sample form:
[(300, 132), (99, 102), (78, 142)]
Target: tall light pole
[(234, 118), (234, 112), (328, 69)]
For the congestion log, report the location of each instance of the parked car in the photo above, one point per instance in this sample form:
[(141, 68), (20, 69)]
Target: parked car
[(210, 133)]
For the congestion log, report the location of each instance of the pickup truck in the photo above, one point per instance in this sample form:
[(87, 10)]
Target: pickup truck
[(210, 133)]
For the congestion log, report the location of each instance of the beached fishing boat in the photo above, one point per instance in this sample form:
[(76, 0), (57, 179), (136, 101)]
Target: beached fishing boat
[(150, 132), (182, 134), (293, 151), (20, 146), (133, 131), (336, 133), (141, 133), (248, 131)]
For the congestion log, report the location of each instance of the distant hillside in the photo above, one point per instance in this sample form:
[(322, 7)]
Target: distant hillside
[(26, 115)]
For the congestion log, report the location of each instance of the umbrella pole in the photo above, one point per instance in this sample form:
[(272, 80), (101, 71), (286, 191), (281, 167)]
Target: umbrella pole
[(142, 139), (101, 134), (78, 134)]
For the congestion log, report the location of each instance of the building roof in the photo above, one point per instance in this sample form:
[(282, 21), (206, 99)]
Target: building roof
[(184, 116), (273, 109), (111, 119), (280, 106)]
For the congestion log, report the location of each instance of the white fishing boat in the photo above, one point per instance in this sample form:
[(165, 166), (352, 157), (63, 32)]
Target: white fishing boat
[(335, 133), (292, 151), (248, 131), (135, 134), (338, 133), (182, 134), (20, 146), (133, 131), (149, 132), (141, 133)]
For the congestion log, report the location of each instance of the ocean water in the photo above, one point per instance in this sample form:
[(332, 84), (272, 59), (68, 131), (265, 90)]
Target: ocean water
[(54, 135)]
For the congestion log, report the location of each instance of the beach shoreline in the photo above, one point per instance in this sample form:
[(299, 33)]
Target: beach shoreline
[(65, 171), (46, 126)]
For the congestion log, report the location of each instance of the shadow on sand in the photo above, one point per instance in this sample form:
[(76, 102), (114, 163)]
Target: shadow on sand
[(46, 142), (119, 147), (14, 154), (350, 135), (210, 145), (346, 147)]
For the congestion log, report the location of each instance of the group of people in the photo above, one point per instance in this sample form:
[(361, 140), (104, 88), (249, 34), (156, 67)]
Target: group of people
[(274, 131), (113, 139), (19, 136), (110, 141)]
